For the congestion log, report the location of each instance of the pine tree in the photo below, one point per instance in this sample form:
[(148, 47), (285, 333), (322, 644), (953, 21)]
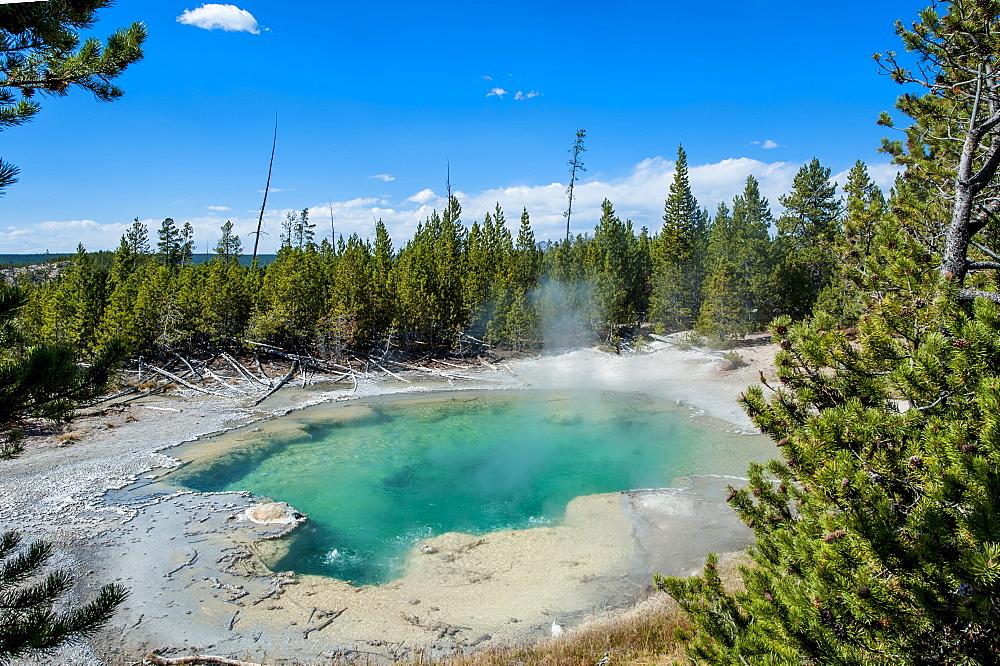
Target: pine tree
[(489, 263), (807, 234), (43, 54), (864, 210), (565, 297), (169, 246), (186, 251), (738, 293), (614, 258), (384, 290), (516, 324), (876, 534), (677, 262), (229, 248), (132, 251), (428, 280), (29, 623), (292, 298), (575, 166), (42, 380)]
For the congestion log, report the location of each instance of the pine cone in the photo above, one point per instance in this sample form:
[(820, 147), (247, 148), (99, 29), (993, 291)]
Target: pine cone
[(833, 536)]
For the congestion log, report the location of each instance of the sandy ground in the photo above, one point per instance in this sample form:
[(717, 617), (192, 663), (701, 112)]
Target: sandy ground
[(197, 585)]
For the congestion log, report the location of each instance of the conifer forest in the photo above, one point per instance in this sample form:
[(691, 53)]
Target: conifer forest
[(456, 284)]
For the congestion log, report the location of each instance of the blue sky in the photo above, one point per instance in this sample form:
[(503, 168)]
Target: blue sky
[(375, 99)]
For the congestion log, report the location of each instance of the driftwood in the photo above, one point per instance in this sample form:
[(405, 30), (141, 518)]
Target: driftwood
[(241, 369), (119, 394), (316, 363), (452, 365), (389, 372), (260, 369), (153, 658), (222, 381), (446, 375), (185, 362), (284, 380), (171, 376), (324, 624)]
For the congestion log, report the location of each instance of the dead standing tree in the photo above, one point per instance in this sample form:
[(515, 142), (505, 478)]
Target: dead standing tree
[(575, 165), (958, 54)]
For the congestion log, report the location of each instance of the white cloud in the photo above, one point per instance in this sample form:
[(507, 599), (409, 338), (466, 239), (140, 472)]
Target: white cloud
[(219, 208), (767, 144), (637, 195), (485, 77), (220, 17), (384, 177), (526, 95), (496, 92), (423, 196)]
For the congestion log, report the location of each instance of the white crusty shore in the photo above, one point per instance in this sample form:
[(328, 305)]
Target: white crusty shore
[(196, 582)]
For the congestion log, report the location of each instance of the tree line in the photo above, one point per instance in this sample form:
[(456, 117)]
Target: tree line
[(724, 276)]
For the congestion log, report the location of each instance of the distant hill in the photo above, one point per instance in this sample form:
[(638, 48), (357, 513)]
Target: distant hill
[(32, 259)]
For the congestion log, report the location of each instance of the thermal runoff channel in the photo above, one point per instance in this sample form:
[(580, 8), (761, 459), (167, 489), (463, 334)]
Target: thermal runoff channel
[(400, 471)]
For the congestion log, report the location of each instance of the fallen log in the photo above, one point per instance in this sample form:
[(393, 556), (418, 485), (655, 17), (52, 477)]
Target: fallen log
[(315, 363), (241, 369), (446, 375), (389, 372), (153, 658), (171, 376), (185, 362), (284, 380), (125, 391), (324, 624)]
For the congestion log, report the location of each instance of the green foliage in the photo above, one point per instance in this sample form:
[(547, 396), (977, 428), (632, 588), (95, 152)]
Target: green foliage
[(807, 234), (43, 380), (873, 533), (738, 298), (291, 299), (30, 625), (678, 256), (613, 256), (43, 54), (877, 532)]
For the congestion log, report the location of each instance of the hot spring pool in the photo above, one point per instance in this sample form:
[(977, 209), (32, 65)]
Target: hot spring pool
[(377, 477)]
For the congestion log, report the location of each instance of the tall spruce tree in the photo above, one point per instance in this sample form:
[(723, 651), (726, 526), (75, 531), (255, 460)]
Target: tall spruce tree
[(168, 248), (807, 233), (614, 259), (677, 262), (229, 248), (740, 260)]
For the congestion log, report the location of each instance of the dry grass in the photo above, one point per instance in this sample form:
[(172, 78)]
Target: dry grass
[(644, 635), (68, 438)]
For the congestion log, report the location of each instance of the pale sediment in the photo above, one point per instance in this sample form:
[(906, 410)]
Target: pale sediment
[(197, 585)]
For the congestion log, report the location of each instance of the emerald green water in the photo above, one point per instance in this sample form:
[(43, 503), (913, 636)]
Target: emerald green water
[(376, 479)]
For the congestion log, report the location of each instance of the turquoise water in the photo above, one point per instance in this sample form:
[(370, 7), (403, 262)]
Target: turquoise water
[(375, 480)]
